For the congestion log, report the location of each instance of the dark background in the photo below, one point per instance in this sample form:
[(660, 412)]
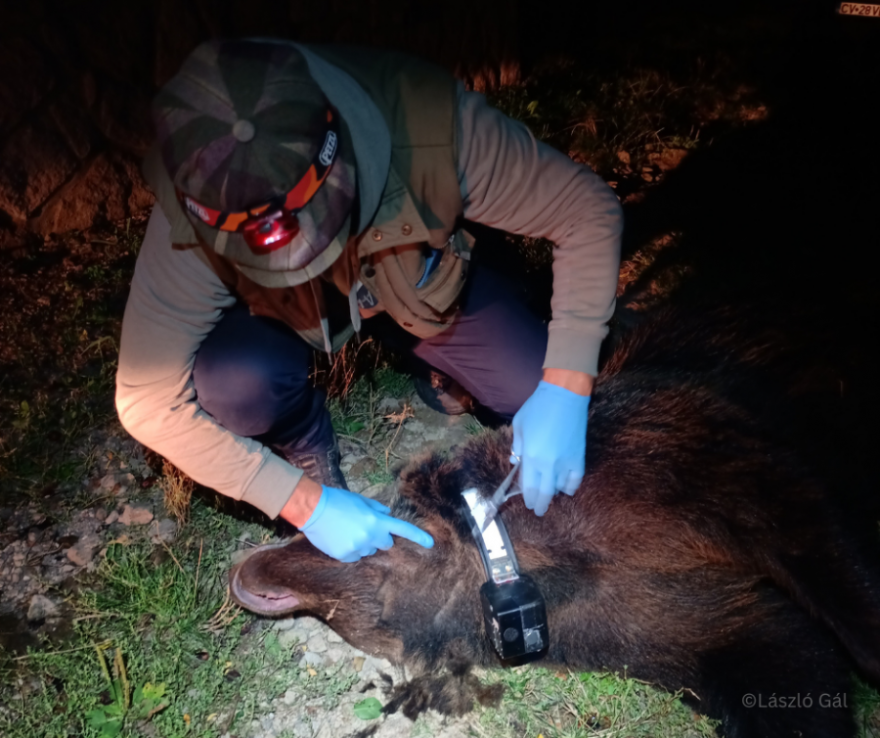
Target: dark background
[(76, 77)]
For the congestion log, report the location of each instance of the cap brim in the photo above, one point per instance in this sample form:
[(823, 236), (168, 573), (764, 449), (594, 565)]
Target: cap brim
[(291, 277)]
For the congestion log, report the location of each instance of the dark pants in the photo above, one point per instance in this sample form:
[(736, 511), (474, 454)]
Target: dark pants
[(252, 374)]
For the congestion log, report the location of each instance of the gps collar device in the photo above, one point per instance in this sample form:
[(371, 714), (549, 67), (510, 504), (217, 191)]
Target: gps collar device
[(513, 607), (273, 224)]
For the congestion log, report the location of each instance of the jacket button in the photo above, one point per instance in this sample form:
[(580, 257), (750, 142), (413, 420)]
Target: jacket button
[(406, 230), (377, 235), (369, 272)]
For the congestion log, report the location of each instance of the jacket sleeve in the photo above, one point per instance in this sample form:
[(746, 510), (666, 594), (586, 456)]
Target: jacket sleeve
[(174, 302), (513, 182)]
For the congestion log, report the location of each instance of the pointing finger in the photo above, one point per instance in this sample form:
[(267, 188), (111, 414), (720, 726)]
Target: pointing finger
[(410, 532)]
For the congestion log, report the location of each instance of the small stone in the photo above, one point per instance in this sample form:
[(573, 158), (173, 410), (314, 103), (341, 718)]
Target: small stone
[(313, 659), (135, 516), (334, 637), (41, 607), (388, 404), (291, 697), (317, 644), (163, 531), (373, 667), (32, 538), (357, 663), (294, 635), (112, 518), (108, 482), (101, 514), (284, 624), (83, 552), (335, 655)]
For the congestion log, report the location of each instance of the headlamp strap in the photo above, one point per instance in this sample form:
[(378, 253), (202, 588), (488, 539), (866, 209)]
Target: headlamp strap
[(296, 199)]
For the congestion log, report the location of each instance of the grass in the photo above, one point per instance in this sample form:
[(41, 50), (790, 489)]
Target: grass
[(368, 413), (619, 123), (562, 704), (147, 614), (62, 307)]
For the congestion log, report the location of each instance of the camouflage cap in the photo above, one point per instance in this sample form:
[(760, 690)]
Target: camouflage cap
[(240, 125)]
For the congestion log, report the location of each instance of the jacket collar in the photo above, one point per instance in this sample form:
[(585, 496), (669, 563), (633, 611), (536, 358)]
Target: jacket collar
[(372, 140), (397, 220)]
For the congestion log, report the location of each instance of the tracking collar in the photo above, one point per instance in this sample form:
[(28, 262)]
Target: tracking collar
[(513, 607)]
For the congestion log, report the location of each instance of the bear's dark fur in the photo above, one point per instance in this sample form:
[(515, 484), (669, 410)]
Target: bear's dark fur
[(706, 549)]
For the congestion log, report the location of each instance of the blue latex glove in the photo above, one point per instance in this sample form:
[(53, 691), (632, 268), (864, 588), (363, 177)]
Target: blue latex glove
[(347, 526), (550, 437)]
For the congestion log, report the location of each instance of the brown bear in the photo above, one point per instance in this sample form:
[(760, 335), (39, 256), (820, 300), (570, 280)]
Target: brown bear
[(705, 550)]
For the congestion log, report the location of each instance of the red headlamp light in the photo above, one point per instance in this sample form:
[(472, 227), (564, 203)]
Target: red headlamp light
[(271, 231), (272, 225)]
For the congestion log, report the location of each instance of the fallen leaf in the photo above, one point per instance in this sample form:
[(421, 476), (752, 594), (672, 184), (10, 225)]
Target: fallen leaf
[(368, 709)]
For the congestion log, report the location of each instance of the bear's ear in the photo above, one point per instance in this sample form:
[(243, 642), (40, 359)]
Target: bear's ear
[(282, 578)]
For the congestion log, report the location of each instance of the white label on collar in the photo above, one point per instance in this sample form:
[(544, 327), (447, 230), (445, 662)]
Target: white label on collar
[(480, 507)]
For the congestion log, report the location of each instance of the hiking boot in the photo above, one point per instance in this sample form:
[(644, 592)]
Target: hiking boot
[(443, 394), (322, 466)]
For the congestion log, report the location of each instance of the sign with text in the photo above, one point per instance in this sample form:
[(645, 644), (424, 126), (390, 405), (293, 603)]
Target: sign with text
[(860, 9)]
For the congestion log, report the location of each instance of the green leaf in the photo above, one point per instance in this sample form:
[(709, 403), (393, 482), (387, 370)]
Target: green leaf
[(112, 728), (154, 692), (25, 407), (532, 107), (368, 709), (97, 717)]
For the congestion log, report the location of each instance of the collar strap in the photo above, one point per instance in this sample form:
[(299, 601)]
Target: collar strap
[(496, 550), (295, 199)]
